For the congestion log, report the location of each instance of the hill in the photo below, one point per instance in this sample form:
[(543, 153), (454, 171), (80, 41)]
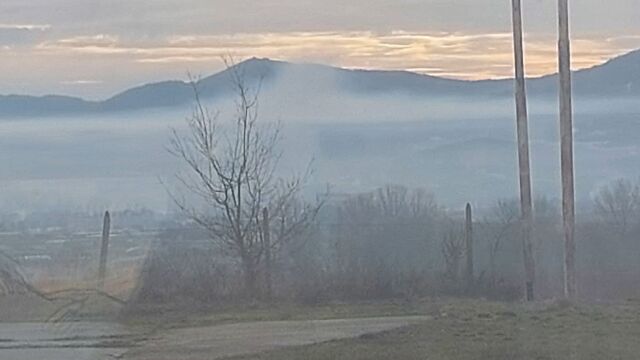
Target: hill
[(618, 77)]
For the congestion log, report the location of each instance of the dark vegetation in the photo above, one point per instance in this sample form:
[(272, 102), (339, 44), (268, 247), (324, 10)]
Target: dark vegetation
[(245, 234), (264, 242), (399, 243)]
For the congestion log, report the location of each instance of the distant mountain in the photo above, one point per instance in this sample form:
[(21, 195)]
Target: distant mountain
[(22, 105), (617, 77)]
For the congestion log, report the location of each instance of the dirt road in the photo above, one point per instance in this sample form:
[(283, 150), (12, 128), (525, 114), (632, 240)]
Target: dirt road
[(206, 343)]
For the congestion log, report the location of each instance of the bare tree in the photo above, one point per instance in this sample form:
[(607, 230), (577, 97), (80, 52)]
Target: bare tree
[(11, 278), (618, 204), (231, 169), (502, 222), (453, 249), (383, 237), (398, 200), (547, 217)]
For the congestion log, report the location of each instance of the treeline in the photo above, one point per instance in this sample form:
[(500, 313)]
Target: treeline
[(397, 242), (268, 242)]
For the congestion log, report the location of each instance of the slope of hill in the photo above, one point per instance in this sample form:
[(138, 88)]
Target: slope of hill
[(23, 105), (617, 77)]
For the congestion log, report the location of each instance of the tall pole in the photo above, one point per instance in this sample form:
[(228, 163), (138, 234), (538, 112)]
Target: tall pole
[(468, 237), (566, 149), (522, 122), (104, 248)]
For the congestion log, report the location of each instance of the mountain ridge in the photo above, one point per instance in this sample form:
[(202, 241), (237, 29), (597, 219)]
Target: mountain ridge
[(619, 76)]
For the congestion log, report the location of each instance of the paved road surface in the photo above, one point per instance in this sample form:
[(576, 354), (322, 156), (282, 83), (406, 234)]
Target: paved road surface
[(66, 341), (206, 343)]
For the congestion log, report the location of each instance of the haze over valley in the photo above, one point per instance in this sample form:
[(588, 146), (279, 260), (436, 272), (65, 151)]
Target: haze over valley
[(362, 129)]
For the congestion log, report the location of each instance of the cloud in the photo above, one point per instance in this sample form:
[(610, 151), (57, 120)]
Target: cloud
[(27, 27), (128, 42), (448, 54), (22, 34), (162, 17), (98, 40), (81, 82)]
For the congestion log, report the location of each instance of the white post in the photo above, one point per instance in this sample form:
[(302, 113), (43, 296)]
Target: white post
[(566, 149), (526, 203)]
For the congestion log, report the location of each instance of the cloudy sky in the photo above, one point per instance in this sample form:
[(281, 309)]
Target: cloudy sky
[(95, 48)]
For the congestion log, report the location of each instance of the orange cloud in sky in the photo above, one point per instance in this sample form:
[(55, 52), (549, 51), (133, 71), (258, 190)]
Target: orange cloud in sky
[(116, 62), (455, 55)]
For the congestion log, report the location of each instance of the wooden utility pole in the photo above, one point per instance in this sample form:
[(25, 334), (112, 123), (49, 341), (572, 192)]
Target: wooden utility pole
[(522, 122), (267, 251), (468, 238), (566, 149), (104, 248)]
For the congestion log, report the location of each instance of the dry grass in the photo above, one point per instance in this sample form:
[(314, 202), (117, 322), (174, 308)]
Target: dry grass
[(479, 330), (190, 316), (119, 282), (459, 329), (73, 297)]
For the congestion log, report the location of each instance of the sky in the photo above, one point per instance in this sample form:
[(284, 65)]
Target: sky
[(96, 48)]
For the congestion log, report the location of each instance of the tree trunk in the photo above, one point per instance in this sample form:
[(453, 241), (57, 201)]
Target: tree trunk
[(566, 149), (250, 274), (526, 203), (267, 252), (492, 268), (104, 248)]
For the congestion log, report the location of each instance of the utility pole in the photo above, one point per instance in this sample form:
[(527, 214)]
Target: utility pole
[(468, 237), (566, 150), (104, 248), (524, 166)]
